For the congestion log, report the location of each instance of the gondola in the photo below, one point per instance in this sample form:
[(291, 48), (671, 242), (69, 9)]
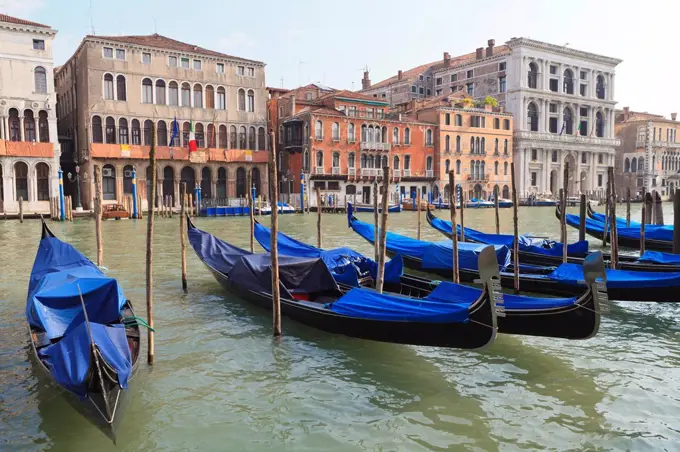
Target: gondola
[(620, 222), (659, 238), (311, 296), (568, 318), (392, 208), (83, 331), (437, 257)]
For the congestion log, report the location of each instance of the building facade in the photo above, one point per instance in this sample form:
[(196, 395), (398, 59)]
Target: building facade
[(341, 141), (649, 153), (117, 92), (29, 150)]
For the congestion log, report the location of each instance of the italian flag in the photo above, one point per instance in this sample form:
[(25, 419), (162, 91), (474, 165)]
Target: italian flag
[(192, 138)]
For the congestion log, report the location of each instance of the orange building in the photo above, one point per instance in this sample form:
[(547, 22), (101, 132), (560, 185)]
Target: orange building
[(475, 142), (340, 141)]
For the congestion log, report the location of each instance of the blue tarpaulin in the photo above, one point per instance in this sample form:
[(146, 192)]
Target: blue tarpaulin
[(658, 257), (54, 306), (652, 232), (617, 279), (620, 222)]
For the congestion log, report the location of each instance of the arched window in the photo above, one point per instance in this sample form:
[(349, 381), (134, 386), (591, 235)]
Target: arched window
[(123, 137), (351, 160), (364, 133), (240, 182), (109, 182), (495, 146), (42, 173), (222, 137), (206, 183), (251, 100), (305, 161), (255, 176), (458, 148), (495, 168), (458, 164), (458, 120), (532, 117), (447, 166), (221, 183), (188, 176), (121, 87), (336, 160), (162, 133), (407, 136), (496, 123), (335, 132), (483, 145), (168, 187), (251, 138), (318, 130), (472, 145), (209, 97), (428, 137), (506, 192), (261, 139), (626, 167), (533, 75), (351, 134), (568, 121), (148, 132), (505, 147), (43, 127), (97, 136), (633, 165), (242, 140), (127, 179), (200, 135), (232, 138), (40, 80), (29, 126), (147, 91), (21, 180), (447, 147), (384, 134), (221, 102), (319, 159), (505, 168), (568, 81), (395, 136), (599, 87), (198, 96), (363, 161), (173, 94), (396, 162), (186, 95), (160, 92), (136, 135), (14, 125), (210, 141), (599, 124), (108, 87), (242, 99), (110, 130)]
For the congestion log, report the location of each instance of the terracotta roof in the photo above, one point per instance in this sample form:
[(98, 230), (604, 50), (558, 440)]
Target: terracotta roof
[(352, 95), (406, 75), (311, 86), (16, 20), (163, 42)]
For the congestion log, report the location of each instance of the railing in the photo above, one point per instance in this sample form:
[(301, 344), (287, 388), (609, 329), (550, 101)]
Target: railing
[(663, 144), (318, 137), (567, 139), (335, 170), (373, 146), (429, 173), (352, 172), (336, 139), (318, 170), (352, 140), (295, 142), (371, 172), (407, 173), (395, 142), (478, 177), (396, 173)]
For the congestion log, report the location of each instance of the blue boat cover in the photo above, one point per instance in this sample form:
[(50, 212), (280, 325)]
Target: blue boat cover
[(620, 222), (527, 244), (346, 265), (658, 257), (617, 279), (368, 304), (652, 232), (253, 271), (53, 305), (433, 255)]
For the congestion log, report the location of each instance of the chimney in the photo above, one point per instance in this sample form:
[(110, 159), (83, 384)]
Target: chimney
[(489, 50), (447, 59), (480, 53), (400, 74), (365, 82), (626, 113), (673, 116), (292, 104)]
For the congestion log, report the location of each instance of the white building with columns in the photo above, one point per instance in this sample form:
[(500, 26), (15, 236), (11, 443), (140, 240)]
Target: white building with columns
[(29, 148), (563, 103)]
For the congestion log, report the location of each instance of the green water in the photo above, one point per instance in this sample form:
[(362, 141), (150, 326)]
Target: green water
[(220, 382)]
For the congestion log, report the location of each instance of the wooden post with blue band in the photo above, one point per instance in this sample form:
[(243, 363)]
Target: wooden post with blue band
[(61, 196), (135, 207)]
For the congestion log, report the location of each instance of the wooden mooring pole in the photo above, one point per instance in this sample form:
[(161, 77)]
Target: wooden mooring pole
[(515, 223), (149, 250), (454, 227), (383, 229), (251, 211), (642, 221), (676, 222), (582, 218), (274, 190), (98, 214), (605, 232), (183, 233), (462, 215), (418, 210), (318, 218), (564, 193), (628, 207), (21, 209), (376, 246), (495, 208), (614, 240)]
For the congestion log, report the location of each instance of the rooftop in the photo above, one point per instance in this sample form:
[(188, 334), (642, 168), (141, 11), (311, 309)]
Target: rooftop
[(16, 20)]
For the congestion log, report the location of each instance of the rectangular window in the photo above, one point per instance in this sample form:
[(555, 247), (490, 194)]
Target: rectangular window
[(108, 52), (583, 129), (146, 58), (333, 185), (582, 89), (384, 95), (414, 89), (185, 63), (600, 158), (453, 89), (438, 92), (554, 156), (470, 73), (599, 180), (583, 157), (506, 124), (470, 89), (534, 155), (120, 54), (369, 113), (553, 69), (172, 61), (352, 111), (583, 111), (197, 65), (421, 90), (533, 179), (421, 78), (553, 108), (552, 126), (251, 72), (501, 84), (584, 75), (553, 85), (447, 121), (429, 92), (38, 44), (501, 66), (438, 81), (454, 78), (379, 113), (219, 67)]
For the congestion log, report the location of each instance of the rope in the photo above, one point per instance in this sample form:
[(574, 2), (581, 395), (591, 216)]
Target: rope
[(134, 320)]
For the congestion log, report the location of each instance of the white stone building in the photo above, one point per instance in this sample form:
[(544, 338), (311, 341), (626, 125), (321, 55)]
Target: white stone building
[(29, 148)]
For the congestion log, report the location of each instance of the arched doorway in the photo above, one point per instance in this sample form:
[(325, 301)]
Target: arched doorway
[(21, 180), (506, 192), (188, 177), (127, 179), (477, 191), (169, 183), (240, 182), (553, 181), (569, 159), (109, 183), (206, 183), (222, 183), (256, 181)]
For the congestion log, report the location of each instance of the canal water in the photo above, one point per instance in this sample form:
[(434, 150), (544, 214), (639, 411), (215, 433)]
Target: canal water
[(221, 383)]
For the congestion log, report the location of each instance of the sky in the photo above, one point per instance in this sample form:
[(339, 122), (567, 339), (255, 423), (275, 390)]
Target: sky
[(304, 41)]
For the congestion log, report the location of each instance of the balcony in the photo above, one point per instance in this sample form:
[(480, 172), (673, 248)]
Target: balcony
[(335, 171), (566, 139), (318, 137), (352, 172), (292, 143), (396, 173), (373, 146), (663, 144), (429, 173), (351, 140), (336, 139), (478, 177), (369, 172), (318, 170), (407, 173)]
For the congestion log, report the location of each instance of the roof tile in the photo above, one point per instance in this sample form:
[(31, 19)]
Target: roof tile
[(16, 20)]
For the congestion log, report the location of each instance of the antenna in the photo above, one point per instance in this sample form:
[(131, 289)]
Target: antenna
[(281, 82), (155, 26), (92, 20)]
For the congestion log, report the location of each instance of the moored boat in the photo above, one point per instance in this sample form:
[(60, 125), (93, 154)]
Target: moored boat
[(392, 208)]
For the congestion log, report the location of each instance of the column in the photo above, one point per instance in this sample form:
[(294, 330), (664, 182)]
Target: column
[(560, 116), (176, 189), (611, 86), (546, 77), (560, 175), (546, 116), (21, 128), (611, 122), (591, 120), (560, 78), (547, 163), (577, 118), (523, 114), (577, 174), (592, 83), (576, 80), (519, 171)]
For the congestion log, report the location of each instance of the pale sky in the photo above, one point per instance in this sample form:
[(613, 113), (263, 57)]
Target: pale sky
[(304, 41)]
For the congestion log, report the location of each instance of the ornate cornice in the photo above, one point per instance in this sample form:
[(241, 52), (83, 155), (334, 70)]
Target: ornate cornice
[(562, 50), (539, 139)]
